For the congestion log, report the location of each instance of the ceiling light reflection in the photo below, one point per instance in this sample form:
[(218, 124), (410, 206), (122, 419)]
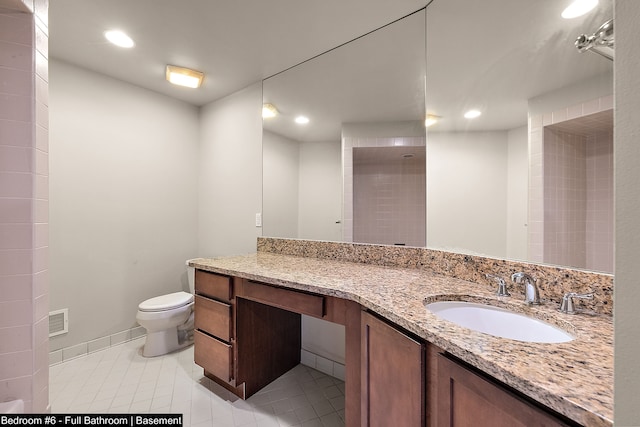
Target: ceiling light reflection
[(119, 38), (472, 114), (578, 8)]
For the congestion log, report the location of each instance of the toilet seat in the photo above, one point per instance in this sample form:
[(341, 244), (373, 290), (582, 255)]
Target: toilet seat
[(166, 302)]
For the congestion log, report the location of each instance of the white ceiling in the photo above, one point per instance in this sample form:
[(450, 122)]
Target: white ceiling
[(495, 55), (492, 54), (376, 78), (235, 43)]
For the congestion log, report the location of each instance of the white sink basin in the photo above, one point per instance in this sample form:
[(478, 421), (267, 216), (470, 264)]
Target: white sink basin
[(498, 322)]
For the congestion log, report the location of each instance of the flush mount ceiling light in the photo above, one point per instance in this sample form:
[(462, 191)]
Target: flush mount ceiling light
[(472, 114), (431, 120), (269, 111), (578, 8), (184, 76), (119, 38), (302, 120)]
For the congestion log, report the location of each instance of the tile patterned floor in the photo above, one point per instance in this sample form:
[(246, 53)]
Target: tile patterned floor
[(120, 380)]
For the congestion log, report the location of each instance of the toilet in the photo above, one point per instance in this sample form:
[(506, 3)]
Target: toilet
[(168, 320)]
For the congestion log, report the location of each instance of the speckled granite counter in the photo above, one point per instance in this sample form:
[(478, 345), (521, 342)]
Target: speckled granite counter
[(574, 378)]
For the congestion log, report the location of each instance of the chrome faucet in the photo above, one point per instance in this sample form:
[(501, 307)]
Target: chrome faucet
[(502, 286), (531, 295), (567, 301)]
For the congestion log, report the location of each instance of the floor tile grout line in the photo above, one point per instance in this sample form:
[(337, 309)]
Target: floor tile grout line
[(168, 375)]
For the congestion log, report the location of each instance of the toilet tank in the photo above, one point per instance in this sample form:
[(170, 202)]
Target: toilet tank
[(191, 277)]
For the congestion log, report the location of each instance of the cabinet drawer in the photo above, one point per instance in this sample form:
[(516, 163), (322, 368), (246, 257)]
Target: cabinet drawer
[(213, 317), (213, 285), (298, 302), (213, 355)]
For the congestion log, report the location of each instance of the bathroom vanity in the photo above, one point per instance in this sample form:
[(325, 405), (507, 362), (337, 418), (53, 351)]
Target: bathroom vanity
[(404, 365)]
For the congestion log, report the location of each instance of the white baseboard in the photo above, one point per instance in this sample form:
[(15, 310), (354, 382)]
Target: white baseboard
[(82, 349), (322, 364)]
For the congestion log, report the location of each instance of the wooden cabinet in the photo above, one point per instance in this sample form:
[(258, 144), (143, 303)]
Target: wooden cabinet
[(466, 398), (214, 334), (248, 334), (393, 376), (268, 343)]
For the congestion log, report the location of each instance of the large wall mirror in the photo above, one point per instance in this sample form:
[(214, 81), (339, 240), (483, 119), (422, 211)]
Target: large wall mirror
[(530, 178)]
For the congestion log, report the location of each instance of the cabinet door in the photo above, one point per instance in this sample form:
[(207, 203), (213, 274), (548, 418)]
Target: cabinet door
[(392, 376), (467, 399)]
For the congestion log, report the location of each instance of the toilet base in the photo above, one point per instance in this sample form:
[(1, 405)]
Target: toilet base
[(163, 342)]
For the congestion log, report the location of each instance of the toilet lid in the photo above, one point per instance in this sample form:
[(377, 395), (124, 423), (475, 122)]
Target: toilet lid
[(166, 302)]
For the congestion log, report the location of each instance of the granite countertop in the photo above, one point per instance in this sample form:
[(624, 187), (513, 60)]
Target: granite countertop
[(573, 378)]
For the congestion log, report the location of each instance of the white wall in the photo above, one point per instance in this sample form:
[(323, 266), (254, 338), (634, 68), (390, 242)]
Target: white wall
[(517, 193), (281, 158), (467, 192), (123, 201), (323, 338), (627, 212), (302, 199), (320, 206), (320, 191), (587, 90), (302, 188), (383, 129), (230, 182)]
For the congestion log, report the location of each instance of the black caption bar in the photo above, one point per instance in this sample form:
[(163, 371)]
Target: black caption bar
[(131, 420)]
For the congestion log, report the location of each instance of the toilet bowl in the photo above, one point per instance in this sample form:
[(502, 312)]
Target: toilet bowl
[(168, 320)]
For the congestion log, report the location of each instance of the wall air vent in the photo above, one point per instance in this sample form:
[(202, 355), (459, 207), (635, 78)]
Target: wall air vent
[(58, 322)]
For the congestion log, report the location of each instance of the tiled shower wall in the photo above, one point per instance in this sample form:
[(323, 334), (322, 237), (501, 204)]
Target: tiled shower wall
[(565, 198), (600, 230), (24, 188), (348, 143), (555, 196), (389, 202), (578, 199)]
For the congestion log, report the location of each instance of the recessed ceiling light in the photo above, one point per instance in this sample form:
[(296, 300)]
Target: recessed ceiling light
[(119, 38), (578, 8), (269, 111), (431, 120), (472, 114), (302, 120), (184, 76)]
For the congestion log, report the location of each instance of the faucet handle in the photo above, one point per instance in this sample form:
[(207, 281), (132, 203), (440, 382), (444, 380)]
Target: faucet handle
[(567, 301), (502, 286)]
